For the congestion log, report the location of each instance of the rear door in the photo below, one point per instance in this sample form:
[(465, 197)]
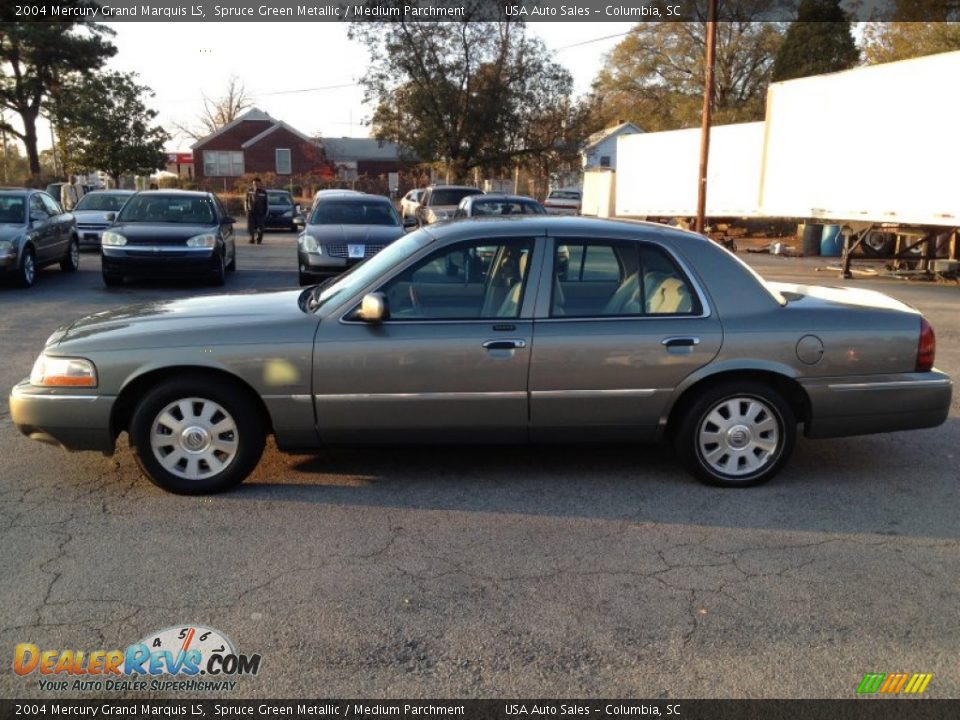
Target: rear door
[(619, 324), (44, 230)]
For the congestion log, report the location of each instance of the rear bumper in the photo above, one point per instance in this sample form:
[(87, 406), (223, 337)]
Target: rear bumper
[(74, 421), (877, 403), (132, 262)]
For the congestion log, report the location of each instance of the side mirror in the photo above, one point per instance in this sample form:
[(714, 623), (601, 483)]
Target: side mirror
[(227, 220), (374, 308), (299, 221), (409, 222), (110, 217)]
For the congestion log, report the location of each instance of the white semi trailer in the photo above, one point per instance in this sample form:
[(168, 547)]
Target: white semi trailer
[(874, 149)]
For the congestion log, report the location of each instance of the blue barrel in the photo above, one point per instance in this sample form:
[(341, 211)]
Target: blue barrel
[(831, 241)]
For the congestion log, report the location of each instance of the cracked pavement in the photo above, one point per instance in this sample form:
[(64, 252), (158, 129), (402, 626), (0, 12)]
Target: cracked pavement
[(505, 572)]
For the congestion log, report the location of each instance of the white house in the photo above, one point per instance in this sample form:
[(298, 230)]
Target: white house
[(600, 149)]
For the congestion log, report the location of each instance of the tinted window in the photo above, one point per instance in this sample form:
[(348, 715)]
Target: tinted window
[(332, 212), (279, 198), (37, 208), (168, 209), (504, 207), (593, 279), (12, 209), (564, 195), (451, 196), (469, 281), (102, 201)]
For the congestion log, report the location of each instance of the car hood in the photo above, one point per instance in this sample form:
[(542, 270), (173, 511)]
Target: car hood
[(821, 296), (152, 232), (11, 232), (356, 233), (92, 215), (209, 320)]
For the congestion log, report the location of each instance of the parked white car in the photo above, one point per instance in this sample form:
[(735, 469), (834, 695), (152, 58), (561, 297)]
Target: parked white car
[(410, 202), (564, 201)]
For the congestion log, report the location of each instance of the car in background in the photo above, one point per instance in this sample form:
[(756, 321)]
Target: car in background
[(490, 205), (53, 189), (92, 210), (564, 201), (440, 202), (35, 232), (167, 234), (282, 210), (651, 333), (410, 203), (345, 229)]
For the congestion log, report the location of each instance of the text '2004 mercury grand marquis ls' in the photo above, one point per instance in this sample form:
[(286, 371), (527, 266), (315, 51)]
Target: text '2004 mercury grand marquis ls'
[(539, 329)]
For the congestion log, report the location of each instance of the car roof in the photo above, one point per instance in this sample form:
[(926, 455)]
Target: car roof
[(453, 187), (176, 193), (558, 226), (500, 196), (17, 191), (112, 191), (356, 197)]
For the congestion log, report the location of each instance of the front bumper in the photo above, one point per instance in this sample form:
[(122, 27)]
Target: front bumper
[(90, 238), (840, 407), (8, 263), (74, 421), (323, 265), (172, 262)]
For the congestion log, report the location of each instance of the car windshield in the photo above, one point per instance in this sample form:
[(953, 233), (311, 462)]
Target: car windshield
[(12, 210), (279, 198), (355, 279), (564, 195), (506, 207), (334, 212), (168, 209), (101, 201), (452, 196)]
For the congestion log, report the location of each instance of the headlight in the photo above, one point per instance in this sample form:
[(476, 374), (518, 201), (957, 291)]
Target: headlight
[(63, 372), (308, 243), (202, 241), (6, 246), (112, 238)]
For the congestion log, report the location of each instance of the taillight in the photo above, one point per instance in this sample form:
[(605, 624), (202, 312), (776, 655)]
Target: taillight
[(927, 347)]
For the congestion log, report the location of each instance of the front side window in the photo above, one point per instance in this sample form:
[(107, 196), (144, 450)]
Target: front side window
[(618, 278), (37, 209), (477, 280), (51, 205), (283, 161)]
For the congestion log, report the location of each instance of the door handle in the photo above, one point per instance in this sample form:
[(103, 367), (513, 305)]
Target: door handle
[(680, 341), (512, 344)]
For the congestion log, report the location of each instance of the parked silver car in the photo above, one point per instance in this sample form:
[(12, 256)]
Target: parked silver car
[(475, 332), (92, 214), (35, 232)]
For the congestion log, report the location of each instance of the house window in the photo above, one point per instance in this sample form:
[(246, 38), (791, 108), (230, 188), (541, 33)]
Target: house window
[(604, 161), (283, 161), (222, 163)]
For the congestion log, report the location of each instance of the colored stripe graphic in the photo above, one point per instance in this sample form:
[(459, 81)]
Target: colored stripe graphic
[(894, 683)]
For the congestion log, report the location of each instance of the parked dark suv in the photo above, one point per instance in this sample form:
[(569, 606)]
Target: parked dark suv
[(35, 232)]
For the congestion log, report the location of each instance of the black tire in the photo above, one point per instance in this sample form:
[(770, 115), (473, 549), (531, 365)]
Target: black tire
[(111, 280), (27, 269), (878, 244), (693, 448), (71, 261), (219, 277), (237, 405)]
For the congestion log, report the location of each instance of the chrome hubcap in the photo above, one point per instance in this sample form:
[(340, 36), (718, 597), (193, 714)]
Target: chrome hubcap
[(74, 253), (194, 438), (28, 269), (739, 436)]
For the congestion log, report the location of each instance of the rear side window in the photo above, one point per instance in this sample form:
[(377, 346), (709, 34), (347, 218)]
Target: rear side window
[(595, 278)]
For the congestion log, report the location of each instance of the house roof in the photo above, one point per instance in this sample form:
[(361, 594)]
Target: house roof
[(251, 114), (345, 149), (601, 135), (276, 126)]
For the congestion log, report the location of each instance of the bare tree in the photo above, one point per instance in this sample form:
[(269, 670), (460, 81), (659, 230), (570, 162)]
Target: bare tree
[(220, 111)]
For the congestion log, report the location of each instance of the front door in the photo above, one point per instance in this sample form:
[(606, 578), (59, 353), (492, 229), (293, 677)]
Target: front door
[(44, 231), (449, 365), (623, 325)]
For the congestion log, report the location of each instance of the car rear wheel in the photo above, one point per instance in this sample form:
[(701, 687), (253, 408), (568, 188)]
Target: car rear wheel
[(71, 260), (192, 436), (27, 269), (736, 434)]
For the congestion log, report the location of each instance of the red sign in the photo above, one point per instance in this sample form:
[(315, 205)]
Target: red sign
[(180, 158)]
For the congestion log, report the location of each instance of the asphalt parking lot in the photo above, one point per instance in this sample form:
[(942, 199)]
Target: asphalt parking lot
[(462, 572)]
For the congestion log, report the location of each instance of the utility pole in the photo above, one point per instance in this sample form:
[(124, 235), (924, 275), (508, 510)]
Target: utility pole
[(707, 111), (3, 134)]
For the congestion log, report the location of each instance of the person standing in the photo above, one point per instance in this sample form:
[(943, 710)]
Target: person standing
[(70, 194), (255, 205)]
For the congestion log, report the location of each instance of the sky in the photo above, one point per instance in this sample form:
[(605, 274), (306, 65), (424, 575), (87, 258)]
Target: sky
[(182, 62)]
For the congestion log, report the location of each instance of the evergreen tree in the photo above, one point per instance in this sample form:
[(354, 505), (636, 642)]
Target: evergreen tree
[(818, 41)]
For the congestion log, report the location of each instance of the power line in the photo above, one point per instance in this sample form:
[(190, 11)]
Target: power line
[(588, 42)]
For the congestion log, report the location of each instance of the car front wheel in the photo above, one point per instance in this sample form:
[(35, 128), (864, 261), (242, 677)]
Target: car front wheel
[(27, 269), (192, 436), (71, 261), (736, 434)]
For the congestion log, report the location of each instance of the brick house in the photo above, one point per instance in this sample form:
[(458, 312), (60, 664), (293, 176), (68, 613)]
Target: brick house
[(255, 143)]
